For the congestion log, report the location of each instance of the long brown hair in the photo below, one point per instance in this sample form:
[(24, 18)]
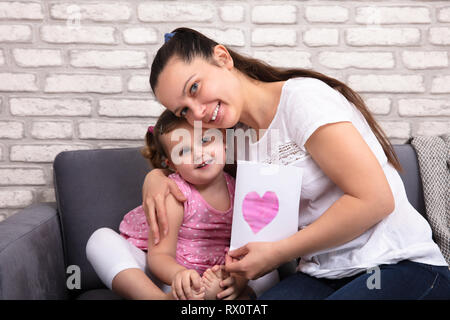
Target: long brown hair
[(188, 44)]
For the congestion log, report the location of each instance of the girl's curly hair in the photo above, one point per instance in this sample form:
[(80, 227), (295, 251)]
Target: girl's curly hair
[(154, 150)]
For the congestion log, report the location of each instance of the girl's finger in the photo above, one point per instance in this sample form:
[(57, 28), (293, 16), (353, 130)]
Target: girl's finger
[(187, 291), (174, 291), (196, 280), (179, 288)]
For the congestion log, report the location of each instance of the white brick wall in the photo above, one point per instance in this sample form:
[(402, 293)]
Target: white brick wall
[(74, 74)]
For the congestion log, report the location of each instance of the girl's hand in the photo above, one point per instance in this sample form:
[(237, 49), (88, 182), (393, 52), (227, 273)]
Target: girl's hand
[(255, 259), (186, 285), (154, 191)]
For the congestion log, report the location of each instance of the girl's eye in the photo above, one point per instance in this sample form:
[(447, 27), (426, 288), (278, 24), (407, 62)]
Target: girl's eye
[(183, 112), (206, 139), (184, 150), (194, 88)]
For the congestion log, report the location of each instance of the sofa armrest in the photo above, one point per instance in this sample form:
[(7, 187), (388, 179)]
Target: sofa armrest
[(31, 255)]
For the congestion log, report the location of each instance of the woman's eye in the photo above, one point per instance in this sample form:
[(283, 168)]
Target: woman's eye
[(183, 112), (194, 88)]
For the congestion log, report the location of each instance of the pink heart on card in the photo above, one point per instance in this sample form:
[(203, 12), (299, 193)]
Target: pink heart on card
[(259, 212)]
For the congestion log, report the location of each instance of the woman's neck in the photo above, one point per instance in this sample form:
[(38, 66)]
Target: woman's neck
[(261, 101)]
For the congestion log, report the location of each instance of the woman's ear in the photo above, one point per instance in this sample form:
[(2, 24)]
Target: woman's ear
[(222, 56)]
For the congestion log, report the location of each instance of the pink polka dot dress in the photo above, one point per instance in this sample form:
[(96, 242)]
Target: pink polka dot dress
[(204, 234)]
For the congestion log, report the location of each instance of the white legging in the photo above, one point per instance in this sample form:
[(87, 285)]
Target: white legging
[(109, 253)]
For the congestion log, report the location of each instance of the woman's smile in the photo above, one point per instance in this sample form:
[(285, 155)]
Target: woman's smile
[(216, 110)]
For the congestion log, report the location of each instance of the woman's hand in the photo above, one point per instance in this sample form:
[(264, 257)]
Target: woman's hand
[(186, 285), (255, 259), (154, 192), (233, 285)]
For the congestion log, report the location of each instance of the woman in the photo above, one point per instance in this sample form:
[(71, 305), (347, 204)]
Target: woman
[(353, 215)]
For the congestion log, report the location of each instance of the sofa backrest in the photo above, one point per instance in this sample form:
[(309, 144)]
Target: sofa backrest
[(95, 188), (411, 176)]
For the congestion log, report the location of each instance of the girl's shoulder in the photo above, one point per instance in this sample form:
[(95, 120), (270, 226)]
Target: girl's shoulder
[(231, 183), (184, 186), (230, 179)]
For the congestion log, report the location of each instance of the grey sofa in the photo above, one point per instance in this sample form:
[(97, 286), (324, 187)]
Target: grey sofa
[(94, 188)]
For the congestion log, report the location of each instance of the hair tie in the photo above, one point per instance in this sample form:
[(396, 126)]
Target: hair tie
[(151, 129), (168, 36)]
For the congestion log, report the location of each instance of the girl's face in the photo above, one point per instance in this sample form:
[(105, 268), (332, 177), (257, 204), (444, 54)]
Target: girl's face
[(201, 90), (198, 159)]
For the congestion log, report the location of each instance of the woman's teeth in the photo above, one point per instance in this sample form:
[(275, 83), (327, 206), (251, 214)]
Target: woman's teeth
[(216, 111)]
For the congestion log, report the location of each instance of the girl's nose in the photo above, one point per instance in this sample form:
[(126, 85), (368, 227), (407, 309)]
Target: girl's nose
[(198, 154)]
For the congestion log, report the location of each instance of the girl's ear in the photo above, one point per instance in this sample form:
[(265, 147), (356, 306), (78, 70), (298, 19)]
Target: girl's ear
[(222, 56), (170, 166)]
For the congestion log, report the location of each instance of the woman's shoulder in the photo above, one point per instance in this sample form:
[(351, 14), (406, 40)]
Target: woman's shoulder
[(307, 85), (311, 94)]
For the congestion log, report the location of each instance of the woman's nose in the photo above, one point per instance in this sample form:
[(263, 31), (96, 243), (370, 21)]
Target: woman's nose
[(198, 111)]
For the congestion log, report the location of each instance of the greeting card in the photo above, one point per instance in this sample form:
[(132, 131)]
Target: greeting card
[(266, 202)]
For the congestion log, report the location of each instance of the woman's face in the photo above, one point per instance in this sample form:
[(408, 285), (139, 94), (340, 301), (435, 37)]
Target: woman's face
[(202, 91)]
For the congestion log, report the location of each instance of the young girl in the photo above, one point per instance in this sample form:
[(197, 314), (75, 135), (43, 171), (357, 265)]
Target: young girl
[(188, 258), (354, 214)]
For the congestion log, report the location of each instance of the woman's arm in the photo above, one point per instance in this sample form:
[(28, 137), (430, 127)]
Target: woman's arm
[(347, 160)]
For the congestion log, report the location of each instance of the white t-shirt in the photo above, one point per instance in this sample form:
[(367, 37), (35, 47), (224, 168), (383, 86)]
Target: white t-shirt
[(305, 105)]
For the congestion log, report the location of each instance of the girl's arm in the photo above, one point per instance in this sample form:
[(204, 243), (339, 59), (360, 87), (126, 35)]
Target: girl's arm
[(161, 258), (347, 160)]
